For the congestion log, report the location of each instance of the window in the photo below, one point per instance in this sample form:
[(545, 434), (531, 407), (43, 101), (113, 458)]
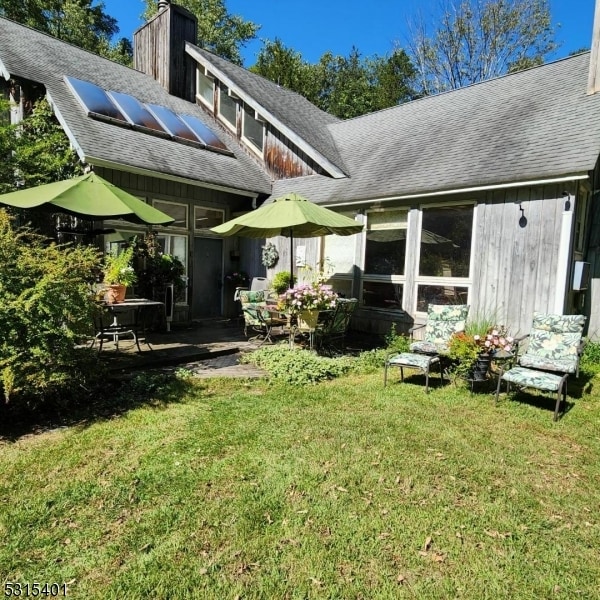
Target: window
[(385, 249), (385, 257), (446, 241), (205, 218), (445, 255), (206, 89), (227, 106), (252, 129), (179, 212), (175, 245)]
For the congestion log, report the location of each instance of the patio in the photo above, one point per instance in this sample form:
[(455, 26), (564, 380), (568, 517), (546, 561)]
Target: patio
[(203, 346)]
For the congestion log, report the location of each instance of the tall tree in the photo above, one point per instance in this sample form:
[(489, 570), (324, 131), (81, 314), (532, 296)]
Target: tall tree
[(343, 86), (218, 31), (476, 40), (80, 22)]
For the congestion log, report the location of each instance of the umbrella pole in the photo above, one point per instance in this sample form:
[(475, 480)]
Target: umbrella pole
[(291, 258)]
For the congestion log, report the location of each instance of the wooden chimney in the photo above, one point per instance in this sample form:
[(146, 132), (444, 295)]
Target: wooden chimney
[(159, 49), (594, 73)]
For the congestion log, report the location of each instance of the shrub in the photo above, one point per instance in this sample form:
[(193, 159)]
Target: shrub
[(297, 367), (46, 306), (590, 360), (281, 282)]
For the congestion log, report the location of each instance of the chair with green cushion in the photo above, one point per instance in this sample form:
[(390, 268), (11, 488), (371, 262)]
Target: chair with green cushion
[(552, 354), (257, 317), (443, 320)]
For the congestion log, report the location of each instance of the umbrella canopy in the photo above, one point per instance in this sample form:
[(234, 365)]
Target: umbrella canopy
[(292, 216), (87, 196)]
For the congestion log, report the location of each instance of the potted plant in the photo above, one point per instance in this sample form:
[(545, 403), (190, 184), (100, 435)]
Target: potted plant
[(118, 274), (472, 353), (306, 300), (281, 282)]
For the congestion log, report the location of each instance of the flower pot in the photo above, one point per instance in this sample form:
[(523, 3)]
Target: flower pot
[(307, 320), (481, 367), (115, 293)]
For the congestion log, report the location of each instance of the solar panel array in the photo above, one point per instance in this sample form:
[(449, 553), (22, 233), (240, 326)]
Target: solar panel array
[(125, 110)]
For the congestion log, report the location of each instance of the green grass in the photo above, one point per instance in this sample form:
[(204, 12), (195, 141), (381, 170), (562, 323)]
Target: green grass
[(232, 489)]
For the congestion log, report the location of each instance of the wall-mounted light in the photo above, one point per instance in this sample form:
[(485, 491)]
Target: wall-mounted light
[(567, 201), (523, 218)]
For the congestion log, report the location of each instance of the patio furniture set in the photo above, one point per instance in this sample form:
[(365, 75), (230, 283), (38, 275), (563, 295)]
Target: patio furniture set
[(552, 352)]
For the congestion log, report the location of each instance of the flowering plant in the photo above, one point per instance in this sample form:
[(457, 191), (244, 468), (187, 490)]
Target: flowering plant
[(309, 296), (465, 348), (238, 278)]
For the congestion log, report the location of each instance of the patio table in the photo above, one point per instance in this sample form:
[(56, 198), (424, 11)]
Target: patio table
[(114, 330)]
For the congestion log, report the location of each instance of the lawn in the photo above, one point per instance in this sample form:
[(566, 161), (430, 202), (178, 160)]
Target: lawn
[(345, 489)]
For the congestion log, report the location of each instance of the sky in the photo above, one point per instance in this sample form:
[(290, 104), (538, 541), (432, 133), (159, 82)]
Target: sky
[(313, 27)]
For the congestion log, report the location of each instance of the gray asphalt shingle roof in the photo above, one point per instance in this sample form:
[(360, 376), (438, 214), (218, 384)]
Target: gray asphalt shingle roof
[(290, 108), (531, 125), (28, 54)]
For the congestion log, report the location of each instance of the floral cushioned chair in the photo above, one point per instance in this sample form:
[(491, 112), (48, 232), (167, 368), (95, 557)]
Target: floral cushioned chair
[(443, 320), (555, 346), (256, 315)]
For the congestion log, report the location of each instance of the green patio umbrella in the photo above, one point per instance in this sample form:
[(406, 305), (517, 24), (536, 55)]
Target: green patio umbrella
[(291, 216), (87, 196)]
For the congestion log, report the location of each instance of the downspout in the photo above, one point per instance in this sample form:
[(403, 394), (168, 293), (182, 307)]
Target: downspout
[(564, 254)]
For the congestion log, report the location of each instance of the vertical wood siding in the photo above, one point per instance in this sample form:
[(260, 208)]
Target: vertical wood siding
[(284, 160)]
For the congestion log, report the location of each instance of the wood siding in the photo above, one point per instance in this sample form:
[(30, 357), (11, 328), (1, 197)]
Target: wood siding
[(161, 189), (285, 160), (159, 51)]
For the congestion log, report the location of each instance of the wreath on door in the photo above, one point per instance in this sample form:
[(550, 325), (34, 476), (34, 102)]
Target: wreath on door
[(270, 256)]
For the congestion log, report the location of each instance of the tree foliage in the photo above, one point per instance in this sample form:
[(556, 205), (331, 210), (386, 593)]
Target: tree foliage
[(343, 86), (476, 40), (80, 22), (45, 308), (218, 31)]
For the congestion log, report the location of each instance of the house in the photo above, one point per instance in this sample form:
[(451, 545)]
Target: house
[(485, 195)]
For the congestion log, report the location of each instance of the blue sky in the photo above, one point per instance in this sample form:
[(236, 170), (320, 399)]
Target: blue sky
[(314, 27)]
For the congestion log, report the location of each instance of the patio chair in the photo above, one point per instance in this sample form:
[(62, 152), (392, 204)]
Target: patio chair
[(258, 315), (443, 320), (331, 335), (553, 352)]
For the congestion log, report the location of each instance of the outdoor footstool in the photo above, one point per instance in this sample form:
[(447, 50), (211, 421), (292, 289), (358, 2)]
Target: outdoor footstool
[(541, 380), (412, 360)]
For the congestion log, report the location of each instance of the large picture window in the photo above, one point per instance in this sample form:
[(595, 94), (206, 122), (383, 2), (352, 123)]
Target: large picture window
[(179, 212), (446, 241), (385, 257)]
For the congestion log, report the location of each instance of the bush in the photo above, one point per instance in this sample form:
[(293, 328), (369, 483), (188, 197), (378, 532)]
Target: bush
[(590, 360), (297, 367), (46, 306)]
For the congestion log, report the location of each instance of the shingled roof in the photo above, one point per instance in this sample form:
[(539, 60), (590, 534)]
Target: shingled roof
[(533, 125), (291, 111), (31, 55)]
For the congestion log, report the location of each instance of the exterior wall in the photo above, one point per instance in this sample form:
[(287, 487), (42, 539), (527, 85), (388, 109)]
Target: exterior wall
[(151, 188), (521, 260), (159, 50), (283, 159), (592, 296)]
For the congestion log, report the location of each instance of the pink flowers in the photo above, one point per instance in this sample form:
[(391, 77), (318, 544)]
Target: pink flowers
[(496, 340), (306, 296)]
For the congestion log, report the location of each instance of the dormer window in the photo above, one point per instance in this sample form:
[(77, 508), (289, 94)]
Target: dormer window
[(252, 129), (206, 88), (227, 106)]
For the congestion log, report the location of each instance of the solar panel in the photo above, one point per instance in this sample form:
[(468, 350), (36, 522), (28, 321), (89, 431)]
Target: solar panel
[(171, 122), (203, 132), (135, 111), (94, 99)]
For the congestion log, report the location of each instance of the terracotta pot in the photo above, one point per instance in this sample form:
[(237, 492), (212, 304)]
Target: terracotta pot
[(115, 293)]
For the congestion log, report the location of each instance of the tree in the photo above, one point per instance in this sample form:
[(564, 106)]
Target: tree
[(343, 86), (480, 39), (79, 22), (218, 31)]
